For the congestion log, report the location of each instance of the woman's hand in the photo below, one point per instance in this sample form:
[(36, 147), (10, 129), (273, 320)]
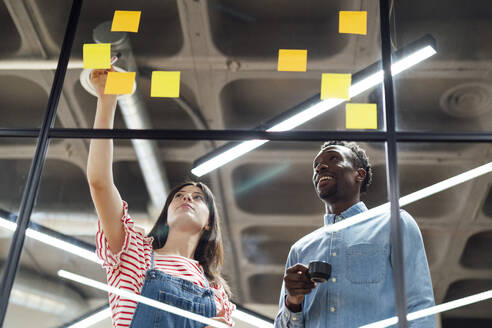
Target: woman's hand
[(98, 80), (220, 318)]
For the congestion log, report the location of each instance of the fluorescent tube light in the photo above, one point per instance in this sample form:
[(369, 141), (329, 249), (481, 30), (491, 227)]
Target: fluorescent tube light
[(433, 310), (106, 314), (162, 306), (227, 156), (63, 245), (243, 316), (410, 198), (413, 197), (93, 319), (6, 224), (446, 184), (313, 111), (52, 241), (251, 319), (240, 315)]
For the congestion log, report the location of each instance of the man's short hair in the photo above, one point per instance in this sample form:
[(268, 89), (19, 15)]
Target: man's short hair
[(360, 159)]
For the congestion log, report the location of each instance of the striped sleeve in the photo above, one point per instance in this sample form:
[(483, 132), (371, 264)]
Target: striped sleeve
[(136, 248)]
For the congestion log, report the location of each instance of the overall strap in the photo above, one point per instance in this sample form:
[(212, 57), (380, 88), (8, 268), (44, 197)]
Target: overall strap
[(152, 260), (207, 284)]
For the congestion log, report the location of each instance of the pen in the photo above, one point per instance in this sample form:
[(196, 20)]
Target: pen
[(115, 58)]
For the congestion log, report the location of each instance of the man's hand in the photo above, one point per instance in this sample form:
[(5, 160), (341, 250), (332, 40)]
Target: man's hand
[(297, 284)]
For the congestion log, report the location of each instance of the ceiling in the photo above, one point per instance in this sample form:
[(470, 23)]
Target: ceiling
[(227, 52)]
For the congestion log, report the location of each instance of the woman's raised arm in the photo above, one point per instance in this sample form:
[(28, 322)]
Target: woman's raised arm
[(105, 195)]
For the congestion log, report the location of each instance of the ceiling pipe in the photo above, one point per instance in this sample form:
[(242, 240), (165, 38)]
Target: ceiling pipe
[(81, 223), (33, 64)]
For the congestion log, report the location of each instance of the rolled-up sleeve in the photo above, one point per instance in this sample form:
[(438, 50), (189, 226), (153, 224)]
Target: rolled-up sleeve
[(136, 247), (286, 318), (418, 283)]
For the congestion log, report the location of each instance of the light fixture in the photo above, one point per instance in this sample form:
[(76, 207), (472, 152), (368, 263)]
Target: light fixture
[(141, 299), (433, 310), (362, 81), (405, 200), (53, 241), (106, 314), (8, 225), (93, 319), (413, 197), (251, 319)]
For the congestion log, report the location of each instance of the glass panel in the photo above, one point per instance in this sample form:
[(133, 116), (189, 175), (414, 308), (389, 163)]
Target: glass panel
[(49, 300), (24, 86), (10, 35), (15, 163), (64, 211), (62, 214), (455, 227), (276, 205), (159, 41), (266, 200), (16, 109), (451, 91), (11, 189), (227, 53)]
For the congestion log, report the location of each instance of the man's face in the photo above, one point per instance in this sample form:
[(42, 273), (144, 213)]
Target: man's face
[(334, 175)]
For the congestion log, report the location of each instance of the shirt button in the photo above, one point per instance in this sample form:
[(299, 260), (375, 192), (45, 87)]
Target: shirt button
[(332, 309), (294, 318), (334, 279), (334, 254)]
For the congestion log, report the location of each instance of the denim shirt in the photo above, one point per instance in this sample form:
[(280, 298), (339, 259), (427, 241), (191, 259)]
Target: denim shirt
[(360, 290)]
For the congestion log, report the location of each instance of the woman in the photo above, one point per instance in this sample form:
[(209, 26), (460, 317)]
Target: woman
[(178, 263)]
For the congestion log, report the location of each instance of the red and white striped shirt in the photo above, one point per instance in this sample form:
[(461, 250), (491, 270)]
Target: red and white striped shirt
[(126, 270)]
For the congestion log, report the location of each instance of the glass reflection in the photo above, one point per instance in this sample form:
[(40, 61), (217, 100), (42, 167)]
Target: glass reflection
[(217, 91), (266, 199), (342, 274), (14, 166), (447, 92), (453, 223)]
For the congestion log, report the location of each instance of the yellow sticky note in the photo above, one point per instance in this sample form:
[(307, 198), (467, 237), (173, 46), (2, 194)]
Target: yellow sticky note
[(97, 55), (165, 84), (126, 21), (361, 116), (353, 22), (335, 85), (119, 83), (292, 60)]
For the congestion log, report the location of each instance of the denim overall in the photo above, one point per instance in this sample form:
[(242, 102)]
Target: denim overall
[(177, 292)]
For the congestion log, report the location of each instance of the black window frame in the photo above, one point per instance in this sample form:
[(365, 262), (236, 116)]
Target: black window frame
[(390, 136)]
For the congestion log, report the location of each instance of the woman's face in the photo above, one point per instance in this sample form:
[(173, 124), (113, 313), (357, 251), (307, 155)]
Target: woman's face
[(188, 210)]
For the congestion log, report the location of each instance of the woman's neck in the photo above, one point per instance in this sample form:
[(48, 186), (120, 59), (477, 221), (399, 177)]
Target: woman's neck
[(180, 243)]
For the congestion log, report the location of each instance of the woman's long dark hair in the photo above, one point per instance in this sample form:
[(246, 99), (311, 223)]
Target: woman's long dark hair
[(209, 251)]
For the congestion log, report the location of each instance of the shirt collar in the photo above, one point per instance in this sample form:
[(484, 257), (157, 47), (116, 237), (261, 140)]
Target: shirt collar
[(351, 211)]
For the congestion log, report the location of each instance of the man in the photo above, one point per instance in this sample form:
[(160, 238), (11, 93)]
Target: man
[(361, 288)]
